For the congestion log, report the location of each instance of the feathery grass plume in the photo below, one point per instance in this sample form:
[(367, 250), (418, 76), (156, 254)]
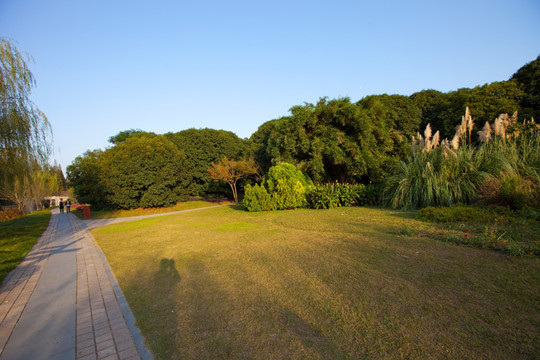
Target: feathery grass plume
[(513, 120), (485, 133), (421, 141), (427, 136), (436, 139), (427, 132), (500, 126), (413, 145), (469, 120), (464, 121), (457, 138), (447, 148)]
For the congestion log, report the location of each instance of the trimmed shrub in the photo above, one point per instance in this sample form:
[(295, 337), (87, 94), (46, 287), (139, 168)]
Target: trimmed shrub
[(256, 198), (289, 194), (334, 195), (284, 187)]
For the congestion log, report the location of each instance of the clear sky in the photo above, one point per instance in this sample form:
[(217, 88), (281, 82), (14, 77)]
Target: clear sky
[(104, 66)]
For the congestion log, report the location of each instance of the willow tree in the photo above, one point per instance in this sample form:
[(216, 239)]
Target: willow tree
[(25, 133)]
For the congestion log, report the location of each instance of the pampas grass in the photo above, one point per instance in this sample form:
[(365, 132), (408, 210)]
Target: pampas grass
[(433, 179), (456, 171)]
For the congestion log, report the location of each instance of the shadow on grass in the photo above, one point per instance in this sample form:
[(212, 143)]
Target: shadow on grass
[(185, 312), (167, 274)]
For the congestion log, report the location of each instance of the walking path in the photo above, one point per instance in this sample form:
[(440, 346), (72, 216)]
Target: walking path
[(63, 302)]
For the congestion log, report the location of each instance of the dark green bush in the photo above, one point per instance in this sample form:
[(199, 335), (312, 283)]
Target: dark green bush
[(334, 195)]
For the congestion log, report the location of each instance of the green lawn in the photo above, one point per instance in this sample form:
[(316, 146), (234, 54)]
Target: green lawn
[(348, 283), (106, 214), (17, 238)]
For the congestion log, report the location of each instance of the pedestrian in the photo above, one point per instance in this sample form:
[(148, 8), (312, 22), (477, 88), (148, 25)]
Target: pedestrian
[(68, 206), (61, 206)]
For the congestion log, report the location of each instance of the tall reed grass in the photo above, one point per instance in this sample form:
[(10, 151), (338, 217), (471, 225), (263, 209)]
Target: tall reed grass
[(458, 171)]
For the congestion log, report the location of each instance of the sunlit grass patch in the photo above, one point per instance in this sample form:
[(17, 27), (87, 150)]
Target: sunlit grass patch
[(237, 226), (17, 238), (106, 214), (333, 284)]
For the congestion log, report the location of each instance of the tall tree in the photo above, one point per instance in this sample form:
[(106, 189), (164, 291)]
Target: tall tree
[(202, 147), (25, 133), (143, 171), (84, 176), (122, 136), (44, 182), (332, 140), (528, 78)]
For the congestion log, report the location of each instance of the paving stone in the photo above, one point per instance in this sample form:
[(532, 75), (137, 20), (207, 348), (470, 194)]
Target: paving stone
[(98, 321)]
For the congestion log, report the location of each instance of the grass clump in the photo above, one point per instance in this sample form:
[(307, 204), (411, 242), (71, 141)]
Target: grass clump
[(346, 283), (17, 238)]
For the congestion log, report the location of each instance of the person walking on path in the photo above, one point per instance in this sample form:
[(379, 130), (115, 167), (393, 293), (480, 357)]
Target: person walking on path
[(68, 206), (61, 206), (62, 302)]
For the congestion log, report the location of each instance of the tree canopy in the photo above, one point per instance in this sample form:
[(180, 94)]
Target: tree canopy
[(337, 140), (202, 147), (331, 140), (25, 133), (84, 176), (528, 79), (143, 171)]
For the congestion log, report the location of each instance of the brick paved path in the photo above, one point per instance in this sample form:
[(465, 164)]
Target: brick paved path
[(62, 302)]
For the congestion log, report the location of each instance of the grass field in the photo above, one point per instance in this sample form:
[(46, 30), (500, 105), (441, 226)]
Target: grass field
[(106, 214), (347, 283), (17, 238)]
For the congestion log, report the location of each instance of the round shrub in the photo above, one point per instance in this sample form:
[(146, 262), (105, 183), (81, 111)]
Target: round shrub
[(287, 185), (256, 198)]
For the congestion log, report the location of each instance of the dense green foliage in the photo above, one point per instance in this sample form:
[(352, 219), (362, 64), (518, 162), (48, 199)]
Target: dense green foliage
[(367, 142), (284, 187), (256, 198), (528, 79), (143, 171), (444, 110), (202, 148), (84, 176), (329, 196), (335, 140), (287, 185), (122, 136)]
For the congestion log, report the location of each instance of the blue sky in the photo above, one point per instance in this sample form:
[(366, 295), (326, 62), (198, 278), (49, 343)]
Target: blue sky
[(106, 66)]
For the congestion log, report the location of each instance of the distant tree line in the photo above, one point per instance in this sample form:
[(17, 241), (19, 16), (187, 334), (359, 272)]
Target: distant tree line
[(143, 169), (334, 140)]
